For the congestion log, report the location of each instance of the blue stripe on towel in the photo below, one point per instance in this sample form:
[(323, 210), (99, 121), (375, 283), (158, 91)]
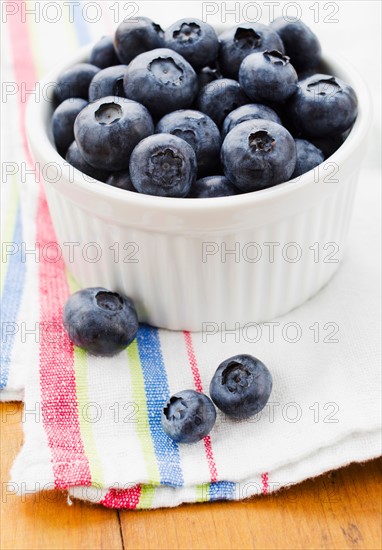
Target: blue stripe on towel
[(157, 393), (11, 300)]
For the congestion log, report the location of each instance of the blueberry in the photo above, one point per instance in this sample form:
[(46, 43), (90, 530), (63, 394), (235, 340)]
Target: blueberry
[(199, 131), (63, 123), (188, 416), (241, 386), (121, 180), (328, 145), (135, 36), (250, 111), (162, 80), (108, 82), (212, 186), (308, 157), (258, 154), (74, 158), (163, 165), (195, 40), (323, 106), (287, 120), (300, 43), (217, 99), (240, 41), (306, 74), (74, 82), (268, 76), (108, 130), (99, 321), (103, 53), (207, 75)]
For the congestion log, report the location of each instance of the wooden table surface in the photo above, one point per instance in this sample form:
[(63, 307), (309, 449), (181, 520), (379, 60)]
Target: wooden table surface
[(338, 510)]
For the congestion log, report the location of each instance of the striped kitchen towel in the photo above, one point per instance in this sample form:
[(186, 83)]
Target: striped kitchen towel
[(92, 425)]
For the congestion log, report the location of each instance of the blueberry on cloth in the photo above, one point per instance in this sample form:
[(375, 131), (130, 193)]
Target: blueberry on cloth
[(99, 321), (188, 416), (108, 129), (241, 386)]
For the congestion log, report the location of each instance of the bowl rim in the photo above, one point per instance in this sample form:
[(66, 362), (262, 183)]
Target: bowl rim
[(39, 111)]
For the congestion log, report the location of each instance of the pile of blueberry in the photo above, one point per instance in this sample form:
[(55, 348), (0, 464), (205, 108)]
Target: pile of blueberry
[(187, 113), (104, 323)]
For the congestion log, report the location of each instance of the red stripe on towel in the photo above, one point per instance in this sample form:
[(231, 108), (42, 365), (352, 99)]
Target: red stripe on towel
[(23, 67), (198, 385), (57, 378), (264, 483), (122, 498), (57, 375)]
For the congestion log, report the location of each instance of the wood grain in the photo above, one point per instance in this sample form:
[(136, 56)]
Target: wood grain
[(45, 521), (337, 511), (340, 510)]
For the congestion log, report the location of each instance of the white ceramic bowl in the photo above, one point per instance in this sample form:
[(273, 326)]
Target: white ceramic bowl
[(178, 269)]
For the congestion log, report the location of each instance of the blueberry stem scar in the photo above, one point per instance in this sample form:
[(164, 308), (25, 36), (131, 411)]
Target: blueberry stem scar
[(108, 113), (261, 141), (109, 300)]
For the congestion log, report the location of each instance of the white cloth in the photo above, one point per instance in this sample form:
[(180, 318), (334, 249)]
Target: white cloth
[(326, 400)]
